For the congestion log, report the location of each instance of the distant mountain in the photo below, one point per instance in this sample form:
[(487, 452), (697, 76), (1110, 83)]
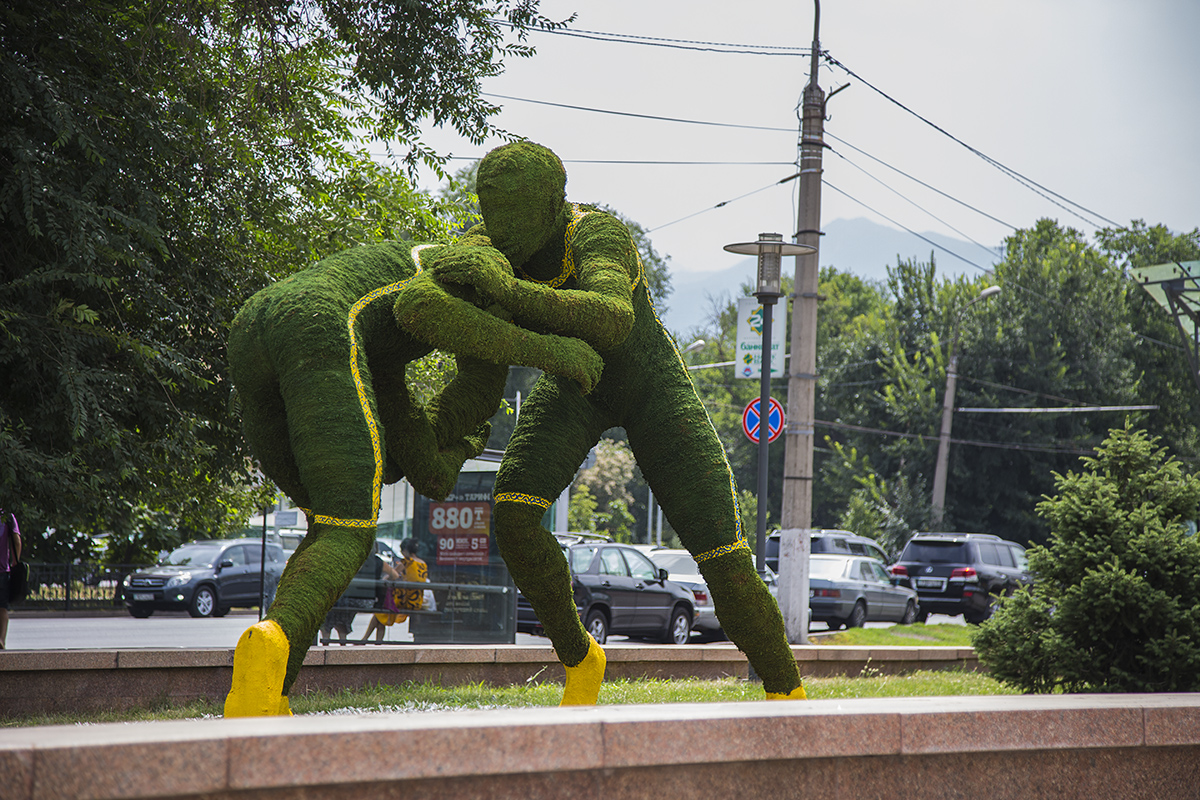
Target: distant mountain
[(859, 246)]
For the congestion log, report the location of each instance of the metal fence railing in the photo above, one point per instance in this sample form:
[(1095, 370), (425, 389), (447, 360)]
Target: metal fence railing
[(76, 587)]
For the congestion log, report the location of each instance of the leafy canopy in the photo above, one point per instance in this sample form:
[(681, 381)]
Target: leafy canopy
[(160, 162)]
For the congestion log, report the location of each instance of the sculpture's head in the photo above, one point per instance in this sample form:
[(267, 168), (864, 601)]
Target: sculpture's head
[(521, 189)]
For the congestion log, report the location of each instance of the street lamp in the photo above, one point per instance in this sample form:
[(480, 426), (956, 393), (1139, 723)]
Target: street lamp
[(770, 249), (943, 455)]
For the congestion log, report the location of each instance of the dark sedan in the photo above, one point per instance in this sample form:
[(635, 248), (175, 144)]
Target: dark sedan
[(851, 590), (619, 590)]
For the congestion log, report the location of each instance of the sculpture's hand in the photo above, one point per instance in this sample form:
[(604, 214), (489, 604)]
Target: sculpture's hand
[(483, 267), (575, 359)]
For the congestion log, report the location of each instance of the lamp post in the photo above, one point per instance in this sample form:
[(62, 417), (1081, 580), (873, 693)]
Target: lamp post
[(770, 249), (943, 455)]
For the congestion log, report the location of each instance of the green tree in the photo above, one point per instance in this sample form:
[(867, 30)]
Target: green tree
[(1113, 603), (159, 162)]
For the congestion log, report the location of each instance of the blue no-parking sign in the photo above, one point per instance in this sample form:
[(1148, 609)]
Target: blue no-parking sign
[(751, 422)]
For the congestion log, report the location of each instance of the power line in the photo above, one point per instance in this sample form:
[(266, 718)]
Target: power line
[(639, 116), (989, 250), (925, 239), (1055, 449), (677, 44), (917, 180), (1012, 173)]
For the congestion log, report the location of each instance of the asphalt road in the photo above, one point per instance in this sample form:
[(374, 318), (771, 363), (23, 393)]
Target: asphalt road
[(39, 631)]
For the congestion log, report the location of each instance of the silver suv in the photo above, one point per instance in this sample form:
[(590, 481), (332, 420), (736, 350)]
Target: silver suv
[(206, 578)]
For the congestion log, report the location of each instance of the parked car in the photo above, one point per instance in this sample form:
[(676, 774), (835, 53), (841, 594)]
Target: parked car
[(618, 590), (961, 573), (827, 540), (206, 578), (684, 570), (851, 590)]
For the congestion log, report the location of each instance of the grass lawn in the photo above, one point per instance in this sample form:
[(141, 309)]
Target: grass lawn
[(411, 697), (917, 635)]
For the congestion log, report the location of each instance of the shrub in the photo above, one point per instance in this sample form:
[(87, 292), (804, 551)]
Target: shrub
[(1115, 604)]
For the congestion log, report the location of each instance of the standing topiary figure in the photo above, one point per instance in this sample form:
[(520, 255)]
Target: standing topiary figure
[(318, 360), (1115, 603), (580, 276)]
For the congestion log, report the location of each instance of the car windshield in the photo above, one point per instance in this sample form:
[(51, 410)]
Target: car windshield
[(937, 552), (193, 555), (678, 562), (826, 567)]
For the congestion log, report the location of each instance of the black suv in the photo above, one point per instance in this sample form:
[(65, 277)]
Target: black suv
[(960, 573), (206, 578), (619, 590), (827, 540)]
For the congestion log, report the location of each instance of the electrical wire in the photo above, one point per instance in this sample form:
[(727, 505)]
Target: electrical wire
[(639, 116), (925, 239), (1028, 183), (678, 44), (918, 181), (991, 251), (1054, 449)]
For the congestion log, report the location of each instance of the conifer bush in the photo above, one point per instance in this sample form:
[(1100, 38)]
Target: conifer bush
[(1115, 603)]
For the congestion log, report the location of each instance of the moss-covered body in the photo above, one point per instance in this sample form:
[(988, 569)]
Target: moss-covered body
[(584, 279), (318, 360)]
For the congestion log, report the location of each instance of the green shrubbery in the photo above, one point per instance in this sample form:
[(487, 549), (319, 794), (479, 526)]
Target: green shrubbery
[(1115, 606)]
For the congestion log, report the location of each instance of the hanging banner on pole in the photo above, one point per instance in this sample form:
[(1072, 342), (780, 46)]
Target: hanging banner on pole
[(749, 338)]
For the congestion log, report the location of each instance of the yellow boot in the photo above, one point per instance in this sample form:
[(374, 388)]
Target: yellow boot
[(259, 667), (794, 694), (584, 679)]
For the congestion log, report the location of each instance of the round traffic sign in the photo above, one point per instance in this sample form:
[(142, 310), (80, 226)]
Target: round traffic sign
[(751, 422)]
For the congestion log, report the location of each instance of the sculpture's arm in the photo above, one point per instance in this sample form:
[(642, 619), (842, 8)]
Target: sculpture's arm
[(427, 311), (600, 311)]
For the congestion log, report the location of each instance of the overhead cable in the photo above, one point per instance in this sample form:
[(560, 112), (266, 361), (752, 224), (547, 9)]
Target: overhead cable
[(1029, 183), (638, 116), (678, 44)]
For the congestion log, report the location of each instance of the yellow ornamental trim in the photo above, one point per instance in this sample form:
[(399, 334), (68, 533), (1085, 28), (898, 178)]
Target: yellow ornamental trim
[(361, 389), (324, 519), (527, 499), (740, 544)]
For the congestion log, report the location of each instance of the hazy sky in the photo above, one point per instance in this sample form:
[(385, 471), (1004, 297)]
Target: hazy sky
[(1093, 99)]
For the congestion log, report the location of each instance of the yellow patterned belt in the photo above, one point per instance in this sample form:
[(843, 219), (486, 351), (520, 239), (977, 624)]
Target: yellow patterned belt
[(527, 499)]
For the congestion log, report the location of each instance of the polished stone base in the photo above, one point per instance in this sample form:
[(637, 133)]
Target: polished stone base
[(1019, 747)]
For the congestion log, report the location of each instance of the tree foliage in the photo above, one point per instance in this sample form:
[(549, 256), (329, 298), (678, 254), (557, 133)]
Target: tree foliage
[(1113, 605), (159, 162), (1069, 328)]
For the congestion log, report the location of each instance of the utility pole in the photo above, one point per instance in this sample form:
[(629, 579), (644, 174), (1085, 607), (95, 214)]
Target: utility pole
[(802, 378)]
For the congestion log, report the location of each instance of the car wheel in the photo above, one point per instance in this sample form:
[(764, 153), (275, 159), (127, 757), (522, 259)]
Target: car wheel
[(140, 613), (679, 631), (220, 611), (910, 613), (204, 602), (597, 626), (922, 617), (858, 616), (973, 617)]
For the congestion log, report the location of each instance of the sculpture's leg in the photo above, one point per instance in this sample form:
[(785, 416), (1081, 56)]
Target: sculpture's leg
[(431, 443), (556, 430), (683, 461), (338, 452)]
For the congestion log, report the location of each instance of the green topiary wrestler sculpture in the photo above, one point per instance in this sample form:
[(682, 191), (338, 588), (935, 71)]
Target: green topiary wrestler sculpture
[(318, 360), (581, 276)]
